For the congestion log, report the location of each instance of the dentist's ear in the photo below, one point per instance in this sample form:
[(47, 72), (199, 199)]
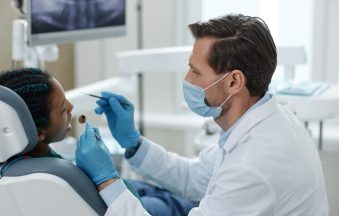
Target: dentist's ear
[(235, 82)]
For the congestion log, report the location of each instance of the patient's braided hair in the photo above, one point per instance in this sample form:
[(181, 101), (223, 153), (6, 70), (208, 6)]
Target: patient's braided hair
[(34, 86)]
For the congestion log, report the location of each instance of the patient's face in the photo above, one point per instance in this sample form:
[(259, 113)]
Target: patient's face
[(60, 115)]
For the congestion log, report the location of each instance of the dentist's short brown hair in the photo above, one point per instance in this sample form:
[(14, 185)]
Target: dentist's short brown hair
[(244, 43)]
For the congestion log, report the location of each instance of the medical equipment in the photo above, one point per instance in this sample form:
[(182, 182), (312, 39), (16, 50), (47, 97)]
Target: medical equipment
[(96, 96), (37, 186), (103, 98), (123, 128), (207, 135), (23, 55), (82, 103), (82, 119), (55, 22), (52, 22)]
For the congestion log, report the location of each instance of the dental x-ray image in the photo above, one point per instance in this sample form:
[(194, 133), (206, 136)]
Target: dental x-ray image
[(60, 15)]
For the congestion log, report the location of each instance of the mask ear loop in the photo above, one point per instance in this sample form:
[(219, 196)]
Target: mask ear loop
[(216, 81), (225, 101)]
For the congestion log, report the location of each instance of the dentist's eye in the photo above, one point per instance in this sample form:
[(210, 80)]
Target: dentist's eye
[(195, 72)]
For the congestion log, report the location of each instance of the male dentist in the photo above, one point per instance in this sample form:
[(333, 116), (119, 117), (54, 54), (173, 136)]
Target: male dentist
[(265, 162)]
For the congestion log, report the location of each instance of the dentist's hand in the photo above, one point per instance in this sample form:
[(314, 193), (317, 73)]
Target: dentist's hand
[(120, 117), (93, 157)]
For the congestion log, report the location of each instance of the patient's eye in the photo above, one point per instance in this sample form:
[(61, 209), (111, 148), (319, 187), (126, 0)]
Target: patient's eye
[(63, 110)]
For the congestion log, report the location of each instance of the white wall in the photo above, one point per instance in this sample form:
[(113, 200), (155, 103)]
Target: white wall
[(288, 26), (326, 44), (309, 23)]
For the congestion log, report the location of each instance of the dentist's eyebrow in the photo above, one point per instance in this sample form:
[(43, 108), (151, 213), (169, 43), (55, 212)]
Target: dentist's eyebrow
[(190, 64)]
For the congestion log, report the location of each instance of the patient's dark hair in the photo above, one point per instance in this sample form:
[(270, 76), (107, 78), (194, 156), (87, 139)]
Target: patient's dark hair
[(244, 43), (34, 86)]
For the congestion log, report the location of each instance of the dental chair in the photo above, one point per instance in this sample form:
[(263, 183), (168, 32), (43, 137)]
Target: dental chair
[(37, 186)]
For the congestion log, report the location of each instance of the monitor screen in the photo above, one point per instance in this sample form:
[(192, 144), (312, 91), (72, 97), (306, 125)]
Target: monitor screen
[(65, 21)]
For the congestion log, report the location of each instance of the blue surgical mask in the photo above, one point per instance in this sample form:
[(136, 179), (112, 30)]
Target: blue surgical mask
[(195, 99)]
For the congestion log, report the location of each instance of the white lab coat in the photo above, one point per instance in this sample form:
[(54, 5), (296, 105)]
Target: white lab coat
[(269, 166)]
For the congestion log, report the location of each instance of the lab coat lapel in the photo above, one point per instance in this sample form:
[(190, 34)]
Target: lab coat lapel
[(249, 121)]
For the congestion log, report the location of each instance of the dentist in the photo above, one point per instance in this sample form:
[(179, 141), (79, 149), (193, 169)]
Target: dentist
[(265, 162)]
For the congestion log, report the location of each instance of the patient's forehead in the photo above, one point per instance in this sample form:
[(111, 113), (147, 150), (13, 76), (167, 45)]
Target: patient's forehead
[(58, 96)]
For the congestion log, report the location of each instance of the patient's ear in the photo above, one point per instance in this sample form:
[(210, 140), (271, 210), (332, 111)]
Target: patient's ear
[(41, 135)]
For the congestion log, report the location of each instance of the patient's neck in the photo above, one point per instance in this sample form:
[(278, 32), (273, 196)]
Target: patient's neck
[(41, 150)]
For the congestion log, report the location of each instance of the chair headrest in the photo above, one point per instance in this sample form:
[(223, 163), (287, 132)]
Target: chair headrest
[(18, 134)]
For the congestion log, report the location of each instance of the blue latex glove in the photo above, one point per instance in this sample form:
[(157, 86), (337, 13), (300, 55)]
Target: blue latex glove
[(120, 117), (93, 157)]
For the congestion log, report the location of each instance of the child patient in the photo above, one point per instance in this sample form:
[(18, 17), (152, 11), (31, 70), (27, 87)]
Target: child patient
[(45, 99)]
